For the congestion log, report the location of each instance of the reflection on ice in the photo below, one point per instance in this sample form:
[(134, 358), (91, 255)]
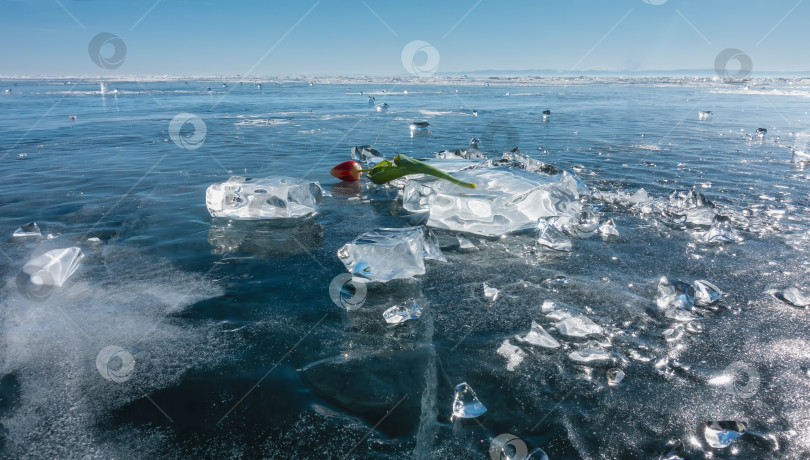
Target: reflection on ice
[(264, 239)]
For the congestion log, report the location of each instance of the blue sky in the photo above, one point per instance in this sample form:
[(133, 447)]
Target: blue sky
[(348, 37)]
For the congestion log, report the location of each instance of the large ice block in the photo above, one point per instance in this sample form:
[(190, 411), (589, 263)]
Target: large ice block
[(390, 253), (243, 198), (505, 199)]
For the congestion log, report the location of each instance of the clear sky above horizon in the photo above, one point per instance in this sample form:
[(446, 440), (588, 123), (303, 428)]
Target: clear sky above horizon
[(332, 37)]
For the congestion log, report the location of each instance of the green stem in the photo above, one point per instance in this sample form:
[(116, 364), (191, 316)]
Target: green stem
[(406, 165)]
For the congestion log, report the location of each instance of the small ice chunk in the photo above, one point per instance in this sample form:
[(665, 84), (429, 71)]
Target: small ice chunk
[(703, 215), (705, 115), (419, 125), (675, 294), (539, 337), (388, 253), (269, 198), (557, 315), (464, 243), (490, 293), (466, 403), (432, 251), (366, 154), (640, 197), (402, 312), (41, 274), (614, 376), (589, 355), (679, 314), (588, 223), (683, 200), (547, 306), (29, 229), (672, 334), (706, 293), (721, 434), (514, 355), (578, 326), (550, 237), (608, 228), (722, 231), (94, 240), (794, 296)]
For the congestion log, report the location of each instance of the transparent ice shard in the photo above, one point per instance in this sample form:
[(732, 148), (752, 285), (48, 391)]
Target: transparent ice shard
[(614, 376), (722, 231), (40, 275), (466, 403), (550, 237), (589, 355), (242, 198), (588, 223), (514, 355), (608, 228), (703, 215), (505, 199), (539, 337), (706, 293), (794, 296), (490, 293), (29, 229), (402, 312), (556, 315), (722, 433), (675, 294), (681, 201), (432, 250), (389, 253), (578, 326), (464, 243), (704, 115), (640, 197), (366, 155)]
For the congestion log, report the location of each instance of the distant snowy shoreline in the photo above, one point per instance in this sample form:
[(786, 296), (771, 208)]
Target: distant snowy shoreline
[(434, 80)]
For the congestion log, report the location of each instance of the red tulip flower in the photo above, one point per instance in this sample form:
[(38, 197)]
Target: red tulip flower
[(349, 171)]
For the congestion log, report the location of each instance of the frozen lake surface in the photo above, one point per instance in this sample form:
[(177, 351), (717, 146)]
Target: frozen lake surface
[(188, 336)]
